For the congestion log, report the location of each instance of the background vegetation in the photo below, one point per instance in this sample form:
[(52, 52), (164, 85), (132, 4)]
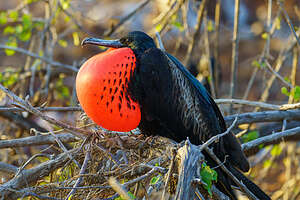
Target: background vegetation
[(249, 68)]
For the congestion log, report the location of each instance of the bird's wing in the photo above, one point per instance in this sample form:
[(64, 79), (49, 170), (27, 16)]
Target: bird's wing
[(201, 90), (231, 144), (175, 98), (182, 107)]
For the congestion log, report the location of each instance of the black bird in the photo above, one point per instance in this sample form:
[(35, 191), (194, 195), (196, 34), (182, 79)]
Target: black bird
[(174, 104)]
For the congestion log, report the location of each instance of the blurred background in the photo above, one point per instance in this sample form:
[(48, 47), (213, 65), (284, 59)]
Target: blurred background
[(40, 54)]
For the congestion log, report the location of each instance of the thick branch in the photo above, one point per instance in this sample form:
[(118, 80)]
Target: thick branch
[(190, 157), (37, 140), (265, 116)]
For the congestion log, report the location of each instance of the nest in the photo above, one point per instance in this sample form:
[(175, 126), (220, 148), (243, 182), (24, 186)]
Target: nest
[(126, 158)]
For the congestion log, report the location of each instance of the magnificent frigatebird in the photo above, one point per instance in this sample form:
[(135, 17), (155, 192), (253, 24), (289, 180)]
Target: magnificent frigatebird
[(135, 84)]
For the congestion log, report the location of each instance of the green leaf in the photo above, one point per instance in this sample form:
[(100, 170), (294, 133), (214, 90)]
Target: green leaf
[(19, 29), (63, 43), (12, 42), (10, 79), (155, 179), (210, 26), (129, 194), (3, 18), (252, 135), (65, 4), (208, 175), (25, 35), (178, 25), (76, 40), (267, 164), (67, 19), (287, 79), (26, 21), (276, 150), (277, 23), (39, 25), (285, 91), (9, 30), (13, 15), (296, 92), (265, 36), (255, 63), (158, 27)]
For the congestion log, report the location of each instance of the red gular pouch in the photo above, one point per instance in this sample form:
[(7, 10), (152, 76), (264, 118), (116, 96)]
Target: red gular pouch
[(101, 86)]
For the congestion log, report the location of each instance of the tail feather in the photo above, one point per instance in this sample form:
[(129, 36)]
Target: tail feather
[(249, 184)]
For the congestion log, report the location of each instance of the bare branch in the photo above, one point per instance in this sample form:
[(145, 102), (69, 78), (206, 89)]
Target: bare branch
[(119, 188), (236, 181), (82, 171), (31, 109), (4, 167), (37, 140), (190, 161), (42, 109), (258, 104), (160, 43), (217, 137), (270, 138), (265, 116), (49, 61), (286, 16), (235, 47), (126, 18), (171, 166), (32, 175)]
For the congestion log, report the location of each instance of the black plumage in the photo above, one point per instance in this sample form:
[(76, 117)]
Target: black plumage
[(175, 105)]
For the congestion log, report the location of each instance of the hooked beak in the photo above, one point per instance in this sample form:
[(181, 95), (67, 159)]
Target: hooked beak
[(100, 42)]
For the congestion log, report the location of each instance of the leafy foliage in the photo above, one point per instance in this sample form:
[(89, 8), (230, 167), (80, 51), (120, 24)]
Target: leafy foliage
[(208, 175)]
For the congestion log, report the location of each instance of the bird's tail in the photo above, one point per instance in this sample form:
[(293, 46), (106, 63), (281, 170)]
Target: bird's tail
[(249, 184)]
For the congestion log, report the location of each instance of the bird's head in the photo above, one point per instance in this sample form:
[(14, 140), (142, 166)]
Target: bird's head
[(136, 40)]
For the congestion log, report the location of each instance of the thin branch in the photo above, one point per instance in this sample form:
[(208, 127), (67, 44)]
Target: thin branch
[(286, 16), (119, 188), (166, 19), (126, 18), (270, 138), (196, 34), (20, 169), (62, 146), (82, 171), (236, 181), (42, 109), (32, 175), (160, 43), (217, 137), (214, 189), (277, 74), (31, 109), (216, 66), (279, 63), (235, 47), (171, 166), (258, 104), (49, 61)]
